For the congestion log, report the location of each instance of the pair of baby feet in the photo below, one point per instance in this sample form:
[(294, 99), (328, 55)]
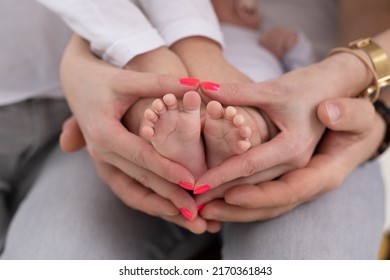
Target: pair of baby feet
[(199, 138)]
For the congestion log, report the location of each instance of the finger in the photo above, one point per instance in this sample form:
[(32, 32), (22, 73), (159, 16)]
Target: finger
[(71, 138), (221, 211), (214, 226), (244, 94), (133, 194), (134, 83), (197, 226), (291, 189), (172, 192), (141, 198), (347, 114), (267, 157)]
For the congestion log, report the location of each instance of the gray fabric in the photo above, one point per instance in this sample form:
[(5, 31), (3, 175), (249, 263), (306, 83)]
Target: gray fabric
[(70, 214), (344, 224), (27, 132)]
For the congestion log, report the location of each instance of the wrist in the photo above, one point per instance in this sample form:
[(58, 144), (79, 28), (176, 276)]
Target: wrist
[(350, 75), (375, 59)]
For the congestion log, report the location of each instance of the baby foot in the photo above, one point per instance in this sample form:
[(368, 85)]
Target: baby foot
[(226, 133), (174, 130)]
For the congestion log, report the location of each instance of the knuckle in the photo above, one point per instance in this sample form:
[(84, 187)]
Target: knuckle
[(250, 167), (219, 178), (163, 83), (94, 153), (299, 156), (96, 134), (292, 200), (143, 179), (233, 90), (138, 157)]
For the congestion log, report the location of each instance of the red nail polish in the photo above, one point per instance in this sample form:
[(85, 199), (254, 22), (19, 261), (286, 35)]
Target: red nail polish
[(185, 185), (200, 207), (189, 82), (202, 189), (186, 213), (210, 86)]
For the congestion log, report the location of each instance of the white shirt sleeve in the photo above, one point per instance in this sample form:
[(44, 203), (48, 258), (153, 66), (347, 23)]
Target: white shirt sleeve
[(117, 30), (178, 19), (300, 55)]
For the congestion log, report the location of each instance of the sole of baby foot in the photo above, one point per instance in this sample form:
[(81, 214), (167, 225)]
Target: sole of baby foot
[(173, 127), (226, 133)]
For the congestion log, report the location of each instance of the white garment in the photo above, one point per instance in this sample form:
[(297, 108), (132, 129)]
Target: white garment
[(177, 19), (119, 31), (244, 52), (31, 49), (32, 46)]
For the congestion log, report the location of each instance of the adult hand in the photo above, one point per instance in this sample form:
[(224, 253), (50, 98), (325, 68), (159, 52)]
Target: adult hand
[(356, 132), (99, 94), (290, 102)]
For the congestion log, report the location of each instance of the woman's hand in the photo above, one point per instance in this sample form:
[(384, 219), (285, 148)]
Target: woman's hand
[(356, 132), (99, 95), (290, 102)]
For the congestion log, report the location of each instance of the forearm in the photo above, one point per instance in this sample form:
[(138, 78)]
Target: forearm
[(204, 60), (159, 61), (195, 52)]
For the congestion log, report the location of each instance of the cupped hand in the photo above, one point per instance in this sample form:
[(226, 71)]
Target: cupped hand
[(100, 94), (355, 133), (290, 103)]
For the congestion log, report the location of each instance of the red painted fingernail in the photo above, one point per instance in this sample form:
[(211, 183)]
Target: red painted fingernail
[(202, 189), (185, 185), (200, 207), (186, 213), (210, 85), (189, 82)]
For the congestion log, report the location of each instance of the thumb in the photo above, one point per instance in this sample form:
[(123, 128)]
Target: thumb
[(71, 138), (346, 114)]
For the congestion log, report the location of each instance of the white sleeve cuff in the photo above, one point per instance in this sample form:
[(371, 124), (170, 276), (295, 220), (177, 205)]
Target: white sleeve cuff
[(300, 55), (188, 28), (120, 52)]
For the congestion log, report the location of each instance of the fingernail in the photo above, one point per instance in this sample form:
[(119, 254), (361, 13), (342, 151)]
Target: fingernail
[(189, 82), (185, 185), (200, 207), (202, 189), (186, 213), (333, 111), (210, 85)]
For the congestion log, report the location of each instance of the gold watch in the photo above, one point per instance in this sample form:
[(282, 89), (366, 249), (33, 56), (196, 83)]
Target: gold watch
[(380, 64)]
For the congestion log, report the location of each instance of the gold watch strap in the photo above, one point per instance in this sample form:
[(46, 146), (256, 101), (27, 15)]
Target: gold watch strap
[(378, 58)]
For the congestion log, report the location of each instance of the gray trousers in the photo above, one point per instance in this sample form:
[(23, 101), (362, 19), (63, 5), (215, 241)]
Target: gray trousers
[(62, 211)]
